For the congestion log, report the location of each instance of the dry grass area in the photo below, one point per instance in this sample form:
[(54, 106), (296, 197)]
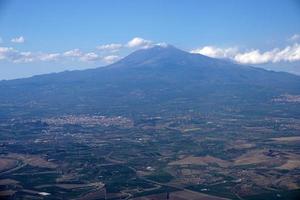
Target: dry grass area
[(205, 160), (268, 179), (259, 157), (6, 164), (191, 130), (181, 195), (67, 177), (6, 193), (289, 182), (32, 160), (280, 160), (72, 186), (290, 165), (8, 182), (287, 139), (292, 162), (241, 144)]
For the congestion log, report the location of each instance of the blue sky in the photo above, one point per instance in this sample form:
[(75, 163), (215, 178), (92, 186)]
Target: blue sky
[(50, 36)]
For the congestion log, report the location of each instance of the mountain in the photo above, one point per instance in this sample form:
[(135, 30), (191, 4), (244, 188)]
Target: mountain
[(161, 80)]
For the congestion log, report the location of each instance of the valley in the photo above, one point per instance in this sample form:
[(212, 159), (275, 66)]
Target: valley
[(185, 157)]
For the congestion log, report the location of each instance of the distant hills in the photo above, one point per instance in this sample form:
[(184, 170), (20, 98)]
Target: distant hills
[(161, 80)]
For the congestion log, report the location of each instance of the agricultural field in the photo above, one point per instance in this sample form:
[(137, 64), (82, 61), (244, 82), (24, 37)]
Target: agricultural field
[(184, 157)]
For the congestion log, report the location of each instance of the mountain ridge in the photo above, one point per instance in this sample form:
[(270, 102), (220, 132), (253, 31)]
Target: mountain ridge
[(148, 81), (129, 59)]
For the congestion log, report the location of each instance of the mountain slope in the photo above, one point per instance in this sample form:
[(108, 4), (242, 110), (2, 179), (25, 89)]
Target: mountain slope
[(159, 80)]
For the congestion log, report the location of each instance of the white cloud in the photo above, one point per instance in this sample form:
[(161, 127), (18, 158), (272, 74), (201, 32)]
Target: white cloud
[(20, 39), (49, 56), (6, 52), (294, 37), (73, 53), (91, 56), (288, 54), (139, 42), (111, 47), (254, 57), (10, 54), (135, 42), (110, 59), (24, 57), (216, 52), (15, 56)]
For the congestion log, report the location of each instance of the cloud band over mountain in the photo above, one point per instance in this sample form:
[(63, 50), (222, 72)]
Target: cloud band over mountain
[(109, 53), (290, 53)]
